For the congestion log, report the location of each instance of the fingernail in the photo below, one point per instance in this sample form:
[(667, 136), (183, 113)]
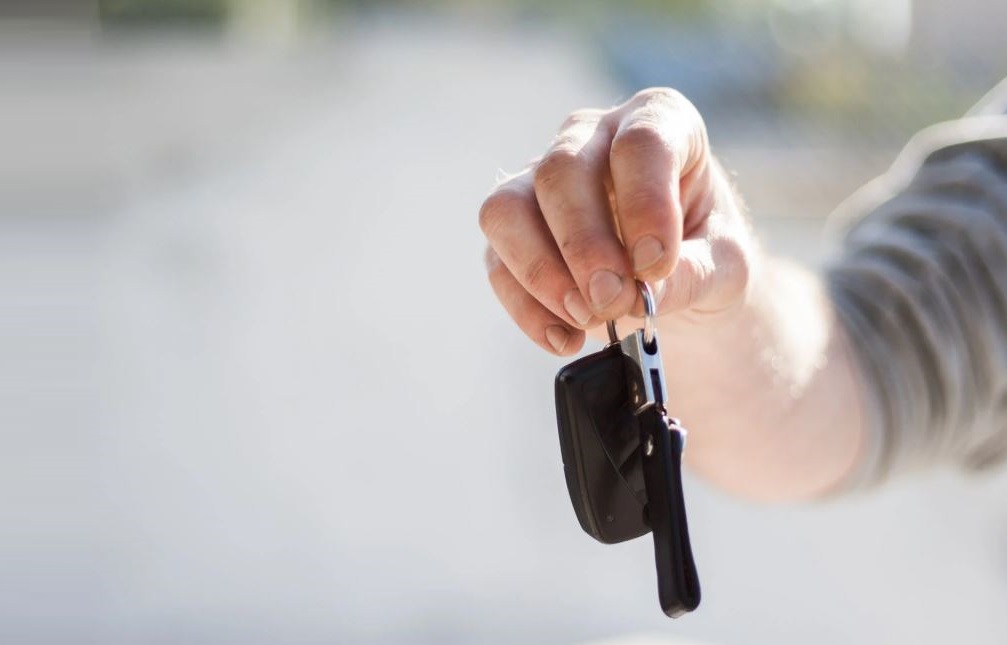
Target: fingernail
[(557, 337), (604, 287), (576, 307), (647, 252)]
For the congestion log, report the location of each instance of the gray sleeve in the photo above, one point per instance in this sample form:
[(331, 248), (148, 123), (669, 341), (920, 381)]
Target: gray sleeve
[(920, 288)]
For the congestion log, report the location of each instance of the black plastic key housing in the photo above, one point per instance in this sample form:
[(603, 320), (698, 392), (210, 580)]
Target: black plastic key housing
[(624, 469), (600, 440)]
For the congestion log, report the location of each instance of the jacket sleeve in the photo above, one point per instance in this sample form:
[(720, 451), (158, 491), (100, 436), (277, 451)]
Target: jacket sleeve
[(920, 288)]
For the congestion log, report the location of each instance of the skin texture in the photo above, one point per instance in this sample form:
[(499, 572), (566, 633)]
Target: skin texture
[(756, 366)]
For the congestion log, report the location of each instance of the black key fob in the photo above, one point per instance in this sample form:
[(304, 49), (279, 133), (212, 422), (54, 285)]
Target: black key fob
[(599, 438), (622, 455)]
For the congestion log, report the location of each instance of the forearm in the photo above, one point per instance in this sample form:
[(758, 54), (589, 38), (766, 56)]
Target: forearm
[(768, 389)]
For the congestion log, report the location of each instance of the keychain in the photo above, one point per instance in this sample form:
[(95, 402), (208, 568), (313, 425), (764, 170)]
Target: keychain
[(622, 454)]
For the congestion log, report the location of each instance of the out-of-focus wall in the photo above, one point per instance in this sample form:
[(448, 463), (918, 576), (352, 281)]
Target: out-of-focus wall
[(967, 32)]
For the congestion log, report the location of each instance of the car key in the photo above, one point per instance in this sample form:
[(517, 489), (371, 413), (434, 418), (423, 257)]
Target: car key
[(622, 455), (599, 439)]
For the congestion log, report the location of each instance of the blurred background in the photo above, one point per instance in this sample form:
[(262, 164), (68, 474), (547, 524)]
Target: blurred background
[(254, 387)]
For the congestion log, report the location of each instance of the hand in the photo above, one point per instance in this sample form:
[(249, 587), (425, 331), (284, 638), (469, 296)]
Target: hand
[(631, 191)]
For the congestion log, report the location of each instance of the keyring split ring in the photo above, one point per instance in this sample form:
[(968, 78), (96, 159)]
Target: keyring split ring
[(649, 315)]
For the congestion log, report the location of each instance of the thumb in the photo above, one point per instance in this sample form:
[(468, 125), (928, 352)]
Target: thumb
[(713, 268)]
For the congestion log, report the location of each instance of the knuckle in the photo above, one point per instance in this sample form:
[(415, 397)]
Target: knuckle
[(662, 98), (499, 208), (651, 205), (561, 161), (642, 136), (535, 274), (657, 104), (579, 247), (578, 117)]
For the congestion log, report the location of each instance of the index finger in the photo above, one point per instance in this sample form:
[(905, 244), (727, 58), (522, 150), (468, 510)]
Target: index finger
[(660, 140)]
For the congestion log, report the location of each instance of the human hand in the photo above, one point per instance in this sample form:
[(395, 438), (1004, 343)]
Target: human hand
[(630, 191)]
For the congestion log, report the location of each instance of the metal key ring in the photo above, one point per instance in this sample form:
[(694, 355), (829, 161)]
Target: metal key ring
[(649, 314)]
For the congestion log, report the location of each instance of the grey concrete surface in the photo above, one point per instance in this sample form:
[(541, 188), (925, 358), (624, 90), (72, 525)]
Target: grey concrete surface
[(256, 390)]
